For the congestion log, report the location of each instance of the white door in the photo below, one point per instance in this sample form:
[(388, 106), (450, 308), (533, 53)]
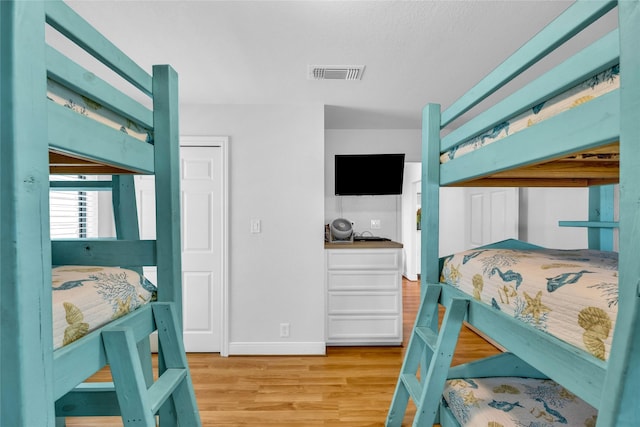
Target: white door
[(491, 215), (203, 203)]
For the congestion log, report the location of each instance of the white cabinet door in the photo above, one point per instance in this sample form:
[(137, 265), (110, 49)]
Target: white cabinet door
[(202, 245)]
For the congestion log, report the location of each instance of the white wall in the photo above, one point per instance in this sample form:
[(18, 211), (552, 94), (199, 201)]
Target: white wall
[(542, 208), (362, 209), (277, 176)]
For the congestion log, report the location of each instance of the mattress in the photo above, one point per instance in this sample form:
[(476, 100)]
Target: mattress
[(516, 402), (86, 107), (586, 91), (570, 294), (86, 298)]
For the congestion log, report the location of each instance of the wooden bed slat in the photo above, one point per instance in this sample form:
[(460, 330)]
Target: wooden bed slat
[(587, 63), (122, 151), (73, 26), (588, 125), (71, 75), (572, 21)]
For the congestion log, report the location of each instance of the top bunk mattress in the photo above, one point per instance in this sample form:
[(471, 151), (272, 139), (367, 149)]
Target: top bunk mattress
[(598, 85), (570, 294)]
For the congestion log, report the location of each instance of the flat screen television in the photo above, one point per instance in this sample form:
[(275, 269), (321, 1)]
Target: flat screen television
[(368, 174)]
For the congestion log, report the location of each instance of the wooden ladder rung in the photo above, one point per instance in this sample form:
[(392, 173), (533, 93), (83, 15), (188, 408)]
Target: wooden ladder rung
[(428, 336), (160, 391), (412, 385)]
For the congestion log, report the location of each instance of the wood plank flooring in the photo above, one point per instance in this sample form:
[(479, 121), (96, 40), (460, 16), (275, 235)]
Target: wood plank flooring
[(350, 386)]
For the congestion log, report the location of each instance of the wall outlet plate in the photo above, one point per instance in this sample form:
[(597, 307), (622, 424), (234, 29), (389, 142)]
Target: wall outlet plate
[(375, 224)]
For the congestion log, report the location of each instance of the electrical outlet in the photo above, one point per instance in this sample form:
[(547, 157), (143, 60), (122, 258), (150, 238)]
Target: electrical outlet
[(284, 330), (375, 224)]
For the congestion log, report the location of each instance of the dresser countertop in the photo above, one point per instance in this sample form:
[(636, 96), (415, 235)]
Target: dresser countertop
[(385, 244)]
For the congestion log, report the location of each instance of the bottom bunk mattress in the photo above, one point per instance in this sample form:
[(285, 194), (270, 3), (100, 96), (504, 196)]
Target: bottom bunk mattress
[(86, 298), (571, 294), (516, 402)]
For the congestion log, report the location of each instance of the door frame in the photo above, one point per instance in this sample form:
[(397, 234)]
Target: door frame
[(223, 143)]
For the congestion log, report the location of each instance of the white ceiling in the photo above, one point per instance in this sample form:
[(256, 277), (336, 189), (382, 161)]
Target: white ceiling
[(257, 52)]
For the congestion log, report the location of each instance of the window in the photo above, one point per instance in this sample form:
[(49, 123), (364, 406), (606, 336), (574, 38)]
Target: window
[(74, 214)]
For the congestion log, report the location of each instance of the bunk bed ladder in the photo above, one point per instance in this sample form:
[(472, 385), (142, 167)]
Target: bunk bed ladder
[(139, 404), (430, 351)]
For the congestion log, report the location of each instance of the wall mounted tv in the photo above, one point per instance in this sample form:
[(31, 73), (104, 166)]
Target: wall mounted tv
[(368, 174)]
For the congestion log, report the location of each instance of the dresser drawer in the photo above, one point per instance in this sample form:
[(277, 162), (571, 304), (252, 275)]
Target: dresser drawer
[(363, 280), (374, 259), (363, 303), (363, 328)]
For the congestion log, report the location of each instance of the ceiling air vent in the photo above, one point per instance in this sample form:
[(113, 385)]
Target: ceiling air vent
[(336, 72)]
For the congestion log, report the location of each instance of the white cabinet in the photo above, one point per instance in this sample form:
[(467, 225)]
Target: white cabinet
[(364, 296)]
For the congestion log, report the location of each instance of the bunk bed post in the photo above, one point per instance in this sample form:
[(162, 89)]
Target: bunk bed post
[(26, 342), (169, 252), (430, 200), (601, 201), (619, 402), (167, 167), (125, 215)]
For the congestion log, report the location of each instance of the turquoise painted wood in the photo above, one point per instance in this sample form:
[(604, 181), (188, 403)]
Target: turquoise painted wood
[(577, 17), (71, 75), (595, 58), (430, 200), (122, 150), (167, 166), (426, 390), (622, 385), (574, 369), (586, 126), (601, 207), (174, 358), (82, 185), (503, 364), (32, 375), (601, 218), (128, 377), (69, 23), (105, 252), (25, 260), (611, 386), (589, 224), (139, 400), (77, 361)]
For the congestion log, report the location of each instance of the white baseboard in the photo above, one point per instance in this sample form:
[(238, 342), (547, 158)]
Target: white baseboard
[(277, 348)]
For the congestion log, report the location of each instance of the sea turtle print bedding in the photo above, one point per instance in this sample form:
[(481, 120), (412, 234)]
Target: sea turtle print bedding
[(86, 298), (571, 294), (516, 402)]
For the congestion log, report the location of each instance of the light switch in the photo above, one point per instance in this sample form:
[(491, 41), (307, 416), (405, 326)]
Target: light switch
[(255, 226)]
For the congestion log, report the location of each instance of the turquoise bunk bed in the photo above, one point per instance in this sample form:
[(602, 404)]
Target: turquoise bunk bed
[(56, 117), (574, 126)]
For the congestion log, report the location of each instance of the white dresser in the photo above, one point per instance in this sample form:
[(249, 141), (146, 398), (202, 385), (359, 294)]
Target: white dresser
[(364, 293)]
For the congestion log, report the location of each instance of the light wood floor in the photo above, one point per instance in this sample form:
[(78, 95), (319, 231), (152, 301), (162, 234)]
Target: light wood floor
[(350, 386)]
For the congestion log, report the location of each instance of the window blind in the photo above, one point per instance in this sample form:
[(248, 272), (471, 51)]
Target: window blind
[(74, 214)]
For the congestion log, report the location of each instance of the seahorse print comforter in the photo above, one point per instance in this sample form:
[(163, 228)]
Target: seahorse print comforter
[(571, 294), (586, 91), (516, 402), (86, 298)]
